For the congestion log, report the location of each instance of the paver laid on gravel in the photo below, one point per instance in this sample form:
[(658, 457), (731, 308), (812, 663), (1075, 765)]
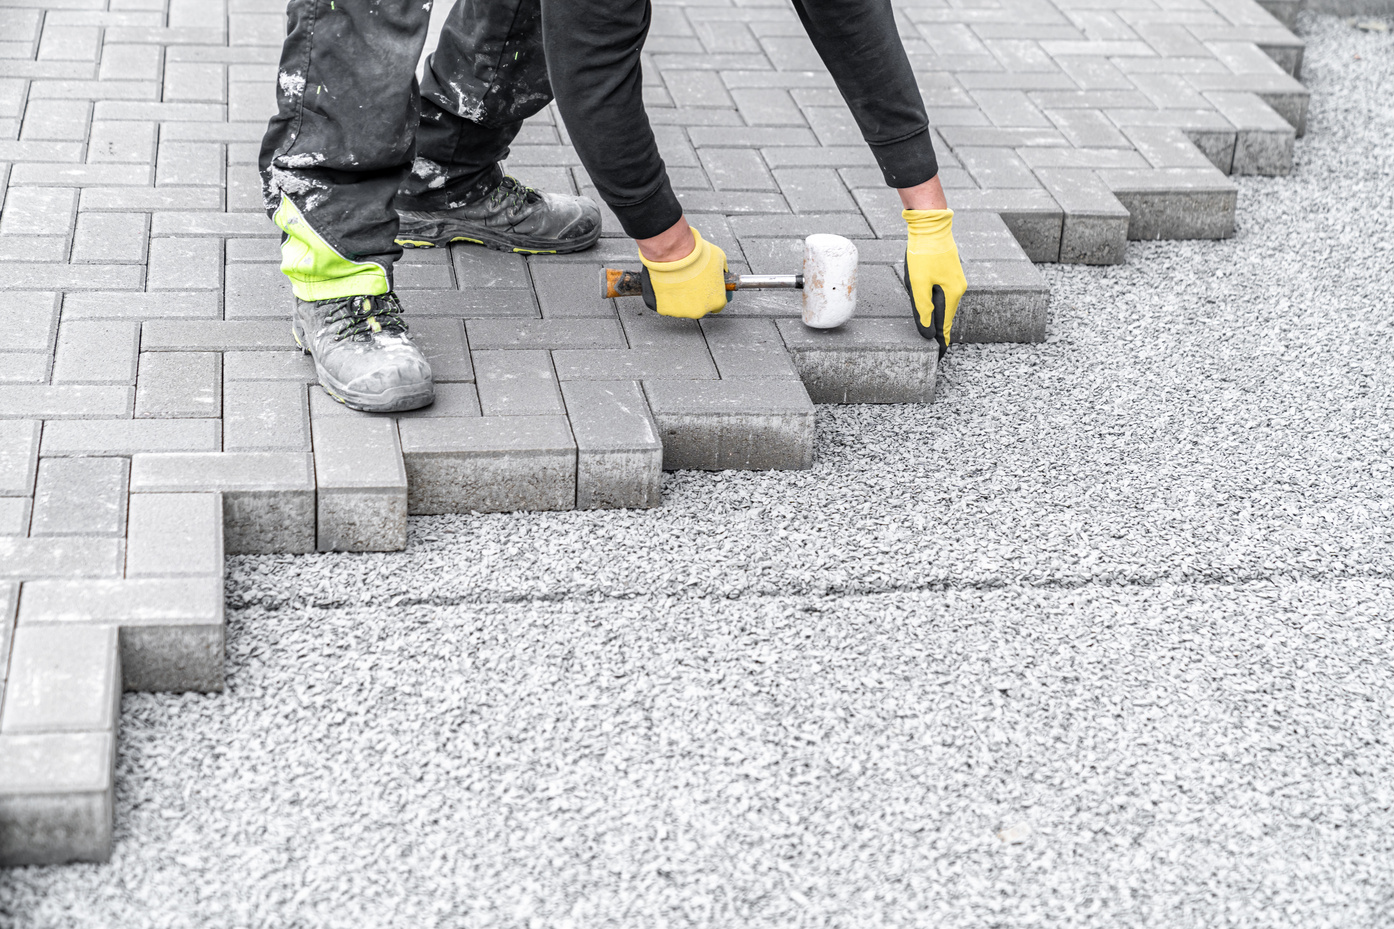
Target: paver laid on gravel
[(155, 417)]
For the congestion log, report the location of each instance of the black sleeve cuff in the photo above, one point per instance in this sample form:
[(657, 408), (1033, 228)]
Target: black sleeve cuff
[(907, 162), (646, 218)]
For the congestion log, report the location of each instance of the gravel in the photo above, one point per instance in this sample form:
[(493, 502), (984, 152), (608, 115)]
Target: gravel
[(1100, 638)]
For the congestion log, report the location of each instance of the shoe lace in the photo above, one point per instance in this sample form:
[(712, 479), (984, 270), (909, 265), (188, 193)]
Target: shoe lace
[(361, 317), (512, 193)]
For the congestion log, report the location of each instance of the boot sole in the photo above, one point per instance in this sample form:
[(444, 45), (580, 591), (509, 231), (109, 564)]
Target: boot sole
[(396, 400), (521, 245)]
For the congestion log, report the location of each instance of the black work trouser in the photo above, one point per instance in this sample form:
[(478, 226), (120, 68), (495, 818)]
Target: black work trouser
[(345, 138)]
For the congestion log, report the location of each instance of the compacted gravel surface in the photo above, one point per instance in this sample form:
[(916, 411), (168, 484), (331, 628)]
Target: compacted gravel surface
[(1099, 639)]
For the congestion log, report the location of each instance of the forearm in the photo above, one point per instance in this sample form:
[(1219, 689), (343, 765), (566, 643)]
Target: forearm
[(593, 51), (861, 47)]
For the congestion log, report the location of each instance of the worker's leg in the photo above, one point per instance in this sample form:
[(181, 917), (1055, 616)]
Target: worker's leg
[(342, 138), (332, 158), (859, 43), (487, 75)]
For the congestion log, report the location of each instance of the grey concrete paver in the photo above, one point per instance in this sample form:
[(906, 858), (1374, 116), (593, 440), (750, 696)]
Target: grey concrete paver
[(157, 342)]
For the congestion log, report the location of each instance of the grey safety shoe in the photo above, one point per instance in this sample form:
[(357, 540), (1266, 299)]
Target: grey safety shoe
[(362, 353), (510, 218)]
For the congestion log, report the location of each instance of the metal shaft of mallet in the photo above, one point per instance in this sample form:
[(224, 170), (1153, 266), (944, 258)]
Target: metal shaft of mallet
[(764, 282), (617, 283)]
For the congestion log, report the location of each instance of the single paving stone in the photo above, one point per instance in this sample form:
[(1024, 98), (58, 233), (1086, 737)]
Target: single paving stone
[(69, 401), (81, 175), (14, 515), (24, 368), (141, 306), (489, 464), (738, 424), (470, 303), (738, 169), (361, 483), (447, 350), (681, 363), (56, 797), (125, 437), (56, 121), (566, 289), (111, 237), (172, 631), (27, 275), (747, 347), (196, 82), (179, 385), (1007, 301), (256, 290), (863, 361), (268, 497), (81, 497), (69, 556), (96, 352), (619, 457), (185, 264), (265, 416), (141, 199), (485, 334), (273, 366), (62, 679), (485, 269), (31, 211), (1265, 141), (1095, 227), (121, 62), (190, 164), (19, 456), (517, 383), (175, 535), (42, 322), (215, 335)]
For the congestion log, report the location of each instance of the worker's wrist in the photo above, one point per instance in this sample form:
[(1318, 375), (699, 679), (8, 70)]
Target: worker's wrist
[(926, 196), (672, 244)]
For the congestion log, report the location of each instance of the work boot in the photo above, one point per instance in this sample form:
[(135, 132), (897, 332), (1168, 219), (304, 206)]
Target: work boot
[(362, 353), (510, 218)]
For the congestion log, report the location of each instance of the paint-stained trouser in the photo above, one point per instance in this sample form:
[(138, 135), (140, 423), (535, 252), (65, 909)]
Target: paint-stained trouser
[(342, 142), (352, 122)]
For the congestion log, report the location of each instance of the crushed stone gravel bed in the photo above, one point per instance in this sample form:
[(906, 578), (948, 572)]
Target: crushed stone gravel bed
[(1101, 638)]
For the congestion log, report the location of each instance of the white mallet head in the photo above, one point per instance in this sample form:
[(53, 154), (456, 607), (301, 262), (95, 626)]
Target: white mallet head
[(829, 280)]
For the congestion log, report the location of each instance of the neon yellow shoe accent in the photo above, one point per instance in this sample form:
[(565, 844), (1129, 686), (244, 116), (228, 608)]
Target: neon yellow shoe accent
[(316, 270), (535, 251), (414, 243), (465, 238)]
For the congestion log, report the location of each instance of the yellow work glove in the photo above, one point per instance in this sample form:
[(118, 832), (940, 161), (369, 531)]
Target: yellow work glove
[(690, 287), (933, 274)]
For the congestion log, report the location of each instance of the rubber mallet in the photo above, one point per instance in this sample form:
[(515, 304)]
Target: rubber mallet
[(828, 281)]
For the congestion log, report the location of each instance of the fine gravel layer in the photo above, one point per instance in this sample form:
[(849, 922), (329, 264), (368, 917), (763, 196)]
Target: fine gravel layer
[(1101, 638)]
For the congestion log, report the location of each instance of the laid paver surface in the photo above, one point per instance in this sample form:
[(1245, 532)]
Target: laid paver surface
[(153, 416)]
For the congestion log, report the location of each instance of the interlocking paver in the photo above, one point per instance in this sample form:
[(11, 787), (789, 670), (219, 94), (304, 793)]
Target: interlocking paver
[(179, 385), (361, 485), (172, 631), (80, 497), (175, 535), (62, 679), (129, 200)]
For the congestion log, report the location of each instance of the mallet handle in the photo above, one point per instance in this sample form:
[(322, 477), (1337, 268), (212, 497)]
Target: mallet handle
[(615, 282)]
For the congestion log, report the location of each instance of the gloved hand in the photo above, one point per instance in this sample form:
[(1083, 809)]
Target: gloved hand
[(933, 274), (690, 287)]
